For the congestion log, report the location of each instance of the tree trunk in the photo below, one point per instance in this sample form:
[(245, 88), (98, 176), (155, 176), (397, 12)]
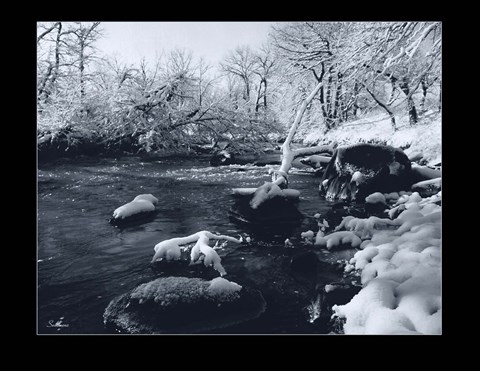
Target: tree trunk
[(247, 89), (412, 111), (328, 102), (52, 71), (355, 107), (41, 89), (265, 93), (338, 92), (57, 52), (280, 177), (393, 81), (424, 95), (440, 98), (82, 68), (200, 93), (257, 102), (322, 104)]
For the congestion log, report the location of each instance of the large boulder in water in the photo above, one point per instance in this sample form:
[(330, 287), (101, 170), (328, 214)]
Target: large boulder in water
[(268, 209), (176, 305), (358, 170)]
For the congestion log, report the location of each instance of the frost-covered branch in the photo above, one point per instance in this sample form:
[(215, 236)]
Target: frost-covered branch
[(288, 155), (171, 249)]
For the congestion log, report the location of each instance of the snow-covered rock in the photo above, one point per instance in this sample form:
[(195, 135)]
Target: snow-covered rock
[(143, 203), (269, 191), (308, 234), (420, 173), (292, 194), (268, 207), (171, 249), (358, 170), (183, 305), (148, 197), (400, 270), (428, 188), (375, 198), (337, 239)]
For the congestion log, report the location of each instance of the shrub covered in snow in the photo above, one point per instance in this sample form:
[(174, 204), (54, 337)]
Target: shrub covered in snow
[(400, 269)]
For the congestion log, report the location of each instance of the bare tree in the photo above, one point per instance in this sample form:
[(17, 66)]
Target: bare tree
[(402, 54), (264, 68), (241, 63), (84, 36)]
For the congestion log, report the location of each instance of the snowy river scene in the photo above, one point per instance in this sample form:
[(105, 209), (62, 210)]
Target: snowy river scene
[(233, 178)]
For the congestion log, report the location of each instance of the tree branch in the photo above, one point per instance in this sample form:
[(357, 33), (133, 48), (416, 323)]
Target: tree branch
[(50, 29)]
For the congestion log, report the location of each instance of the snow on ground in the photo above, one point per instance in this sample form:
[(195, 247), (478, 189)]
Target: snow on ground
[(337, 239), (400, 269), (423, 138)]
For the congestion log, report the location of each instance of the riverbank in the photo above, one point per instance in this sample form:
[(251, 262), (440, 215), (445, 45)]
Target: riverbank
[(421, 142)]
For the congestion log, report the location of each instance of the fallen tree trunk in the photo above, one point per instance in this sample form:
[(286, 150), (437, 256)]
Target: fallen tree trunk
[(271, 203), (280, 176)]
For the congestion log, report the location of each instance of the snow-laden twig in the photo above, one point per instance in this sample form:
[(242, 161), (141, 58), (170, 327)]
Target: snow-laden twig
[(171, 249)]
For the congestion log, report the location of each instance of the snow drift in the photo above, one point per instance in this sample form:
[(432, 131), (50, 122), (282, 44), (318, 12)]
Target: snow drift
[(400, 268)]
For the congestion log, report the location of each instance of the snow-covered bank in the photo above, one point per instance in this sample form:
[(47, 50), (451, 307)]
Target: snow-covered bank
[(400, 265), (422, 139)]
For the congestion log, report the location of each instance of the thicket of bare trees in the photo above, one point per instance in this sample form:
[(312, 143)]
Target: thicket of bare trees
[(363, 66), (85, 99)]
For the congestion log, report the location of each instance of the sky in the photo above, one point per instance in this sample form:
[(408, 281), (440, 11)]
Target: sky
[(130, 41)]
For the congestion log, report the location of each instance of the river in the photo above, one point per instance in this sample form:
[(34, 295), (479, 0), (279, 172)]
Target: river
[(84, 262)]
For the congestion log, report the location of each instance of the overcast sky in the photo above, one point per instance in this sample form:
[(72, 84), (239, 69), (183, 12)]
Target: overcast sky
[(133, 40)]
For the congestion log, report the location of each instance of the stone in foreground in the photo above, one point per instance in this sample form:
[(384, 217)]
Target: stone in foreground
[(180, 305)]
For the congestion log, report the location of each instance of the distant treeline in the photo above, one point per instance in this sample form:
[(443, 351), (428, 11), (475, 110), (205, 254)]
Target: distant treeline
[(92, 104)]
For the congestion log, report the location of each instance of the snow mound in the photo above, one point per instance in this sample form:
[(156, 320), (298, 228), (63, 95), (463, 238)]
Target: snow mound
[(147, 197), (271, 190), (223, 288), (330, 288), (288, 193), (375, 198), (307, 234), (243, 191), (400, 269), (393, 196), (425, 173), (134, 207), (337, 239)]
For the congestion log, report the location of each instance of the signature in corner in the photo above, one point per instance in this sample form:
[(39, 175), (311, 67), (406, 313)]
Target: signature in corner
[(57, 324)]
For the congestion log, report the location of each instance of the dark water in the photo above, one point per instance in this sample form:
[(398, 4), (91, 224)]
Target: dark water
[(84, 262)]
